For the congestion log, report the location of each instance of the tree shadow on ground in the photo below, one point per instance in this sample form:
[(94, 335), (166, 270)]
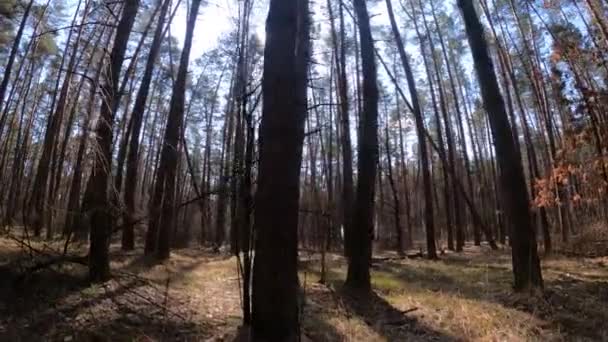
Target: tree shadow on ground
[(576, 306), (571, 307), (124, 329), (136, 262), (376, 312), (476, 282), (317, 328), (573, 302), (117, 310), (58, 302), (388, 321), (32, 306)]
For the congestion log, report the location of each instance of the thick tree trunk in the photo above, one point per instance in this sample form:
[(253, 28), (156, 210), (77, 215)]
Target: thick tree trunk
[(101, 215), (275, 279), (358, 277)]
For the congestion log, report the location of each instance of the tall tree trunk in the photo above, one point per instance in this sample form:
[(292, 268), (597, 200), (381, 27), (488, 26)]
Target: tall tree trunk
[(21, 143), (123, 142), (275, 279), (73, 222), (420, 130), (8, 69), (39, 209), (162, 206), (128, 235), (206, 182), (220, 218), (394, 191), (448, 193), (241, 99), (101, 215), (526, 264), (358, 276), (406, 191), (460, 237), (345, 141), (245, 217)]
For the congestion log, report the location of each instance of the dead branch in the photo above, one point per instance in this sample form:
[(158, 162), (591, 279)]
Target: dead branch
[(50, 259)]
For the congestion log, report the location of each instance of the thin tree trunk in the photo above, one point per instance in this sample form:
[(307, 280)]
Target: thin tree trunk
[(447, 194), (8, 69), (162, 207), (420, 130), (128, 235)]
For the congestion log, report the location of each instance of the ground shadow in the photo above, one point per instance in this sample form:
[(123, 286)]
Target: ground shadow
[(576, 306), (573, 301), (118, 310), (121, 329), (58, 302), (135, 261), (478, 282), (32, 306), (316, 327), (572, 305), (388, 321), (377, 313)]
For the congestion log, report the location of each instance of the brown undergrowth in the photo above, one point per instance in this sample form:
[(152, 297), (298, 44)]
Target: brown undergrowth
[(194, 297)]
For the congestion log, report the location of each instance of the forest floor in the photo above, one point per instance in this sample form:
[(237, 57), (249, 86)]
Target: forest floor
[(194, 297)]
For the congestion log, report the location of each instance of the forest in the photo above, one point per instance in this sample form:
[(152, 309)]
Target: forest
[(303, 170)]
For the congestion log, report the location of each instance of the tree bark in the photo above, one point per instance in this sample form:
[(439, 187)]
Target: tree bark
[(275, 279), (162, 207), (101, 215), (128, 235), (358, 276), (420, 130), (8, 69), (526, 264)]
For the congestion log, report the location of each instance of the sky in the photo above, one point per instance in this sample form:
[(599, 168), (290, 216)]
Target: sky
[(214, 19), (218, 17)]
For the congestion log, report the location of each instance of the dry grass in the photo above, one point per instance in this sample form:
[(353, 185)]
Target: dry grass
[(591, 241), (192, 297), (468, 297), (195, 297)]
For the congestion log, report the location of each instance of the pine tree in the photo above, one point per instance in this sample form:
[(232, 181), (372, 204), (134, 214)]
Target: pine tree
[(526, 264)]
